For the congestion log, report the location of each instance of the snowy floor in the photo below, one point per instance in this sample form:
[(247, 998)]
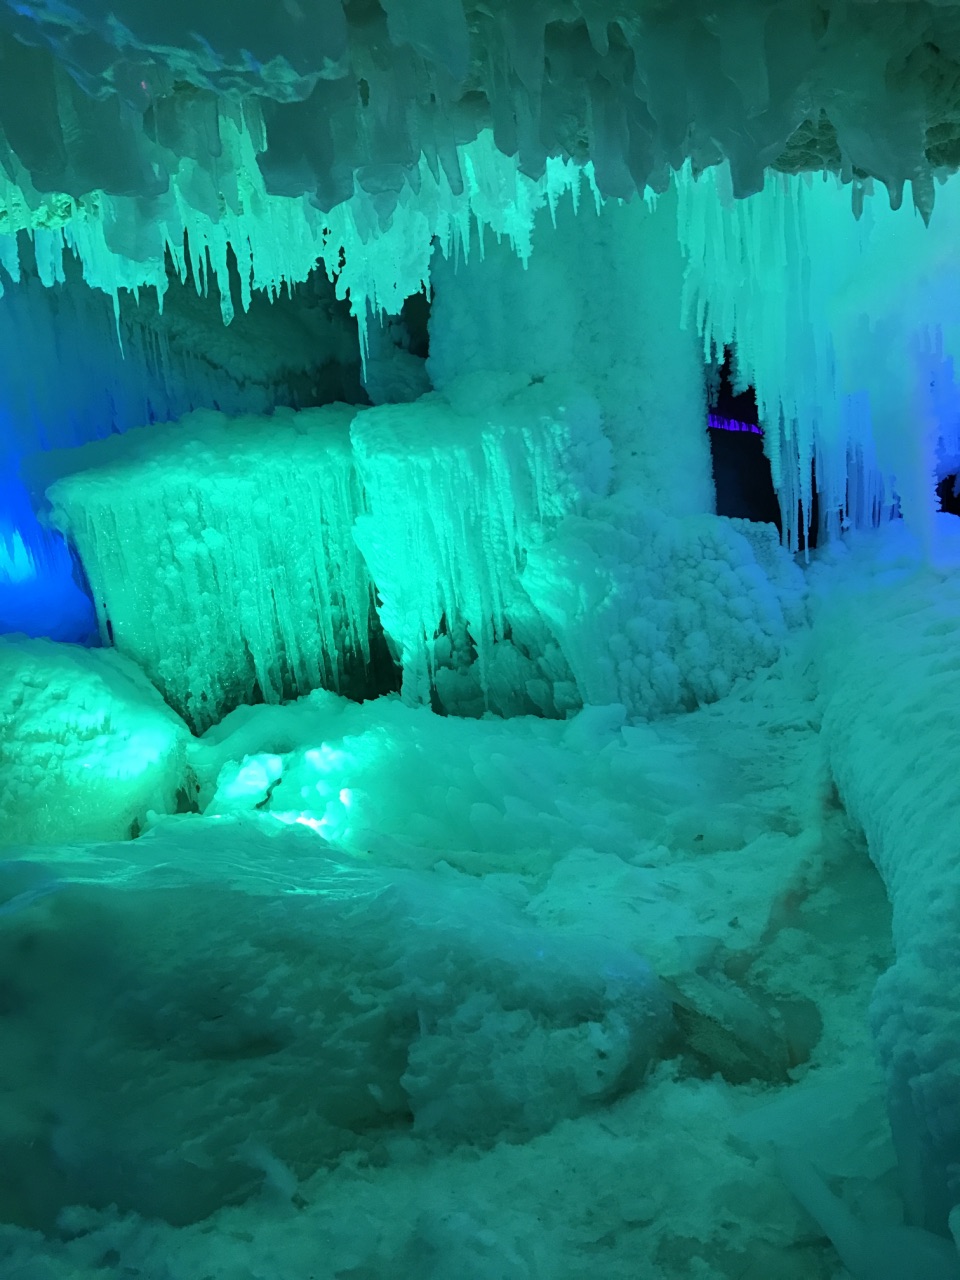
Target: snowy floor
[(380, 1012)]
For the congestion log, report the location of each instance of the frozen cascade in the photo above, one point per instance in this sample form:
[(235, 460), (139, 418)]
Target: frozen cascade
[(208, 567), (459, 487), (620, 336), (88, 377)]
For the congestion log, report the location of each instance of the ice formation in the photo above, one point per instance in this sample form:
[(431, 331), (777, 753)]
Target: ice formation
[(223, 580), (846, 329), (896, 669), (661, 613), (473, 520), (554, 951), (87, 746), (459, 489), (619, 338)]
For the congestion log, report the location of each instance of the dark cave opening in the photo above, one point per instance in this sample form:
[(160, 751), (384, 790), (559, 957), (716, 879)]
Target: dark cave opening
[(948, 495), (741, 470)]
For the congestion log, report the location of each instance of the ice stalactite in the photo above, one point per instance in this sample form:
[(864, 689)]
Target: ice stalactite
[(377, 257), (845, 328), (366, 89)]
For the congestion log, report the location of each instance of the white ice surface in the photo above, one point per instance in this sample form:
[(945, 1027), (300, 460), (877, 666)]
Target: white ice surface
[(886, 648), (390, 1014)]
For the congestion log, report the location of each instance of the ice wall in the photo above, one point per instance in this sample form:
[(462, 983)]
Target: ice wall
[(599, 300), (220, 553)]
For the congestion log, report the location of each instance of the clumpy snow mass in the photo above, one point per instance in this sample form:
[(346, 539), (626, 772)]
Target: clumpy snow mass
[(479, 640)]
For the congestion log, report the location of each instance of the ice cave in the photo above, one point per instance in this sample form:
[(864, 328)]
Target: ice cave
[(479, 567)]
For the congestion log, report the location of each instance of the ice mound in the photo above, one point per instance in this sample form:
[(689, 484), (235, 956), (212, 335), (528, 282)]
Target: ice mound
[(333, 1003), (886, 640), (659, 613), (87, 746), (223, 579)]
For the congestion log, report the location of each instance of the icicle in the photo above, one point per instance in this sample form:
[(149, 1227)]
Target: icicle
[(808, 295)]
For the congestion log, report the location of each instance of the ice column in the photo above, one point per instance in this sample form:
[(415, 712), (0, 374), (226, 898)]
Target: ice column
[(600, 300)]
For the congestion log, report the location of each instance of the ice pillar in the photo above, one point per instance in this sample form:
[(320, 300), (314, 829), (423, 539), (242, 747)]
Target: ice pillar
[(599, 301)]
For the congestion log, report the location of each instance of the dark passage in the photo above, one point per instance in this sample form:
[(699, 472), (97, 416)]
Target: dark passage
[(741, 472)]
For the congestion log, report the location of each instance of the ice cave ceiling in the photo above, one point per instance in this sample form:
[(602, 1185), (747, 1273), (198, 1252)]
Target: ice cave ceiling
[(108, 97)]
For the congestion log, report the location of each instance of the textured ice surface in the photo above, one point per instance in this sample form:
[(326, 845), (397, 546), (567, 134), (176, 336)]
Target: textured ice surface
[(599, 300), (220, 553), (886, 646), (458, 488), (87, 746), (661, 613), (320, 1044)]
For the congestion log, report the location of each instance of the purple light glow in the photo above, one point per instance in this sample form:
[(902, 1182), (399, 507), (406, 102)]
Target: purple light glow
[(716, 423)]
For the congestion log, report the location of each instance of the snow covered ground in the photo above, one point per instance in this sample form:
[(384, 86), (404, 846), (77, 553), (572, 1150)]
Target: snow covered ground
[(418, 996)]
